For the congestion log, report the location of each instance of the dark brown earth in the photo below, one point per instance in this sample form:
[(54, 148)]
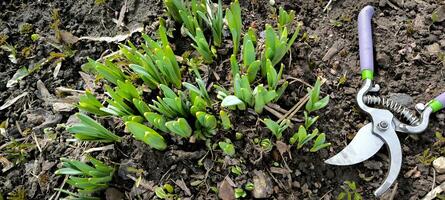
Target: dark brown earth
[(406, 68)]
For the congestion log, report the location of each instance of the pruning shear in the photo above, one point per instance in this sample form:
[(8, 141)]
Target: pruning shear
[(384, 125)]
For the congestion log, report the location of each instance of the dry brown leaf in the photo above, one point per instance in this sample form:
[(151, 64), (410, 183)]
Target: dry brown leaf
[(68, 37), (181, 184), (12, 101), (226, 191), (282, 147)]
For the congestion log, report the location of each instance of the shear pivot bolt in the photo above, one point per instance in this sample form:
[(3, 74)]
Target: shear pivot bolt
[(383, 125)]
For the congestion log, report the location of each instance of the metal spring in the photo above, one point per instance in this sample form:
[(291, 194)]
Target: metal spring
[(392, 106)]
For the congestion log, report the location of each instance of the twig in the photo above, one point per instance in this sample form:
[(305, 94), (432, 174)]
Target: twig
[(295, 108), (104, 148), (37, 142), (274, 112), (280, 184), (298, 80), (63, 184), (327, 6), (325, 194), (277, 107), (434, 179), (434, 192), (394, 191)]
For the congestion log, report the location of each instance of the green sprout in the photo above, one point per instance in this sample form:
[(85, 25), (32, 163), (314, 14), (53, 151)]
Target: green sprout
[(147, 135), (158, 64), (426, 158), (165, 192), (108, 70), (35, 37), (319, 143), (89, 130), (89, 103), (250, 65), (87, 179), (236, 170), (276, 128), (179, 127), (185, 13), (249, 186), (233, 18), (301, 137), (349, 192), (225, 120), (276, 46), (285, 19), (308, 120), (314, 103), (202, 46), (227, 147), (214, 20), (240, 193), (266, 145)]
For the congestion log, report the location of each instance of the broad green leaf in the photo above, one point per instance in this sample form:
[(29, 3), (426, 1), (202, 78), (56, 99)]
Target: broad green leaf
[(225, 120), (147, 135), (180, 127), (231, 101), (227, 147)]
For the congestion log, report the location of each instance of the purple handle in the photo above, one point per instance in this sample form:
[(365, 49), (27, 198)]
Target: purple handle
[(365, 38)]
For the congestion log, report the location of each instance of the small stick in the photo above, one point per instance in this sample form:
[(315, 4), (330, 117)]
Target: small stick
[(277, 107), (433, 193), (327, 6), (37, 142), (104, 148), (274, 112)]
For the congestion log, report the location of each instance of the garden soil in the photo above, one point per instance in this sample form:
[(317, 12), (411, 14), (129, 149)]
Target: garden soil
[(410, 69)]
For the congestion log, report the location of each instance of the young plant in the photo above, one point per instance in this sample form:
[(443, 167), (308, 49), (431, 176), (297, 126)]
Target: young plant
[(180, 127), (276, 46), (258, 98), (314, 103), (87, 179), (206, 123), (240, 193), (184, 13), (173, 8), (233, 18), (89, 103), (172, 105), (262, 97), (214, 19), (285, 19), (320, 143), (89, 130), (301, 137), (276, 128), (309, 121), (202, 46), (250, 65), (158, 65), (108, 70), (119, 104), (349, 192), (225, 120), (227, 147), (147, 135)]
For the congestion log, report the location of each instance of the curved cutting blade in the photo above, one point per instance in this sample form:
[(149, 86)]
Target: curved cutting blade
[(395, 152), (364, 145)]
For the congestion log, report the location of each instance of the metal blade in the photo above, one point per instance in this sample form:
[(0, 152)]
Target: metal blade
[(395, 152), (364, 145)]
